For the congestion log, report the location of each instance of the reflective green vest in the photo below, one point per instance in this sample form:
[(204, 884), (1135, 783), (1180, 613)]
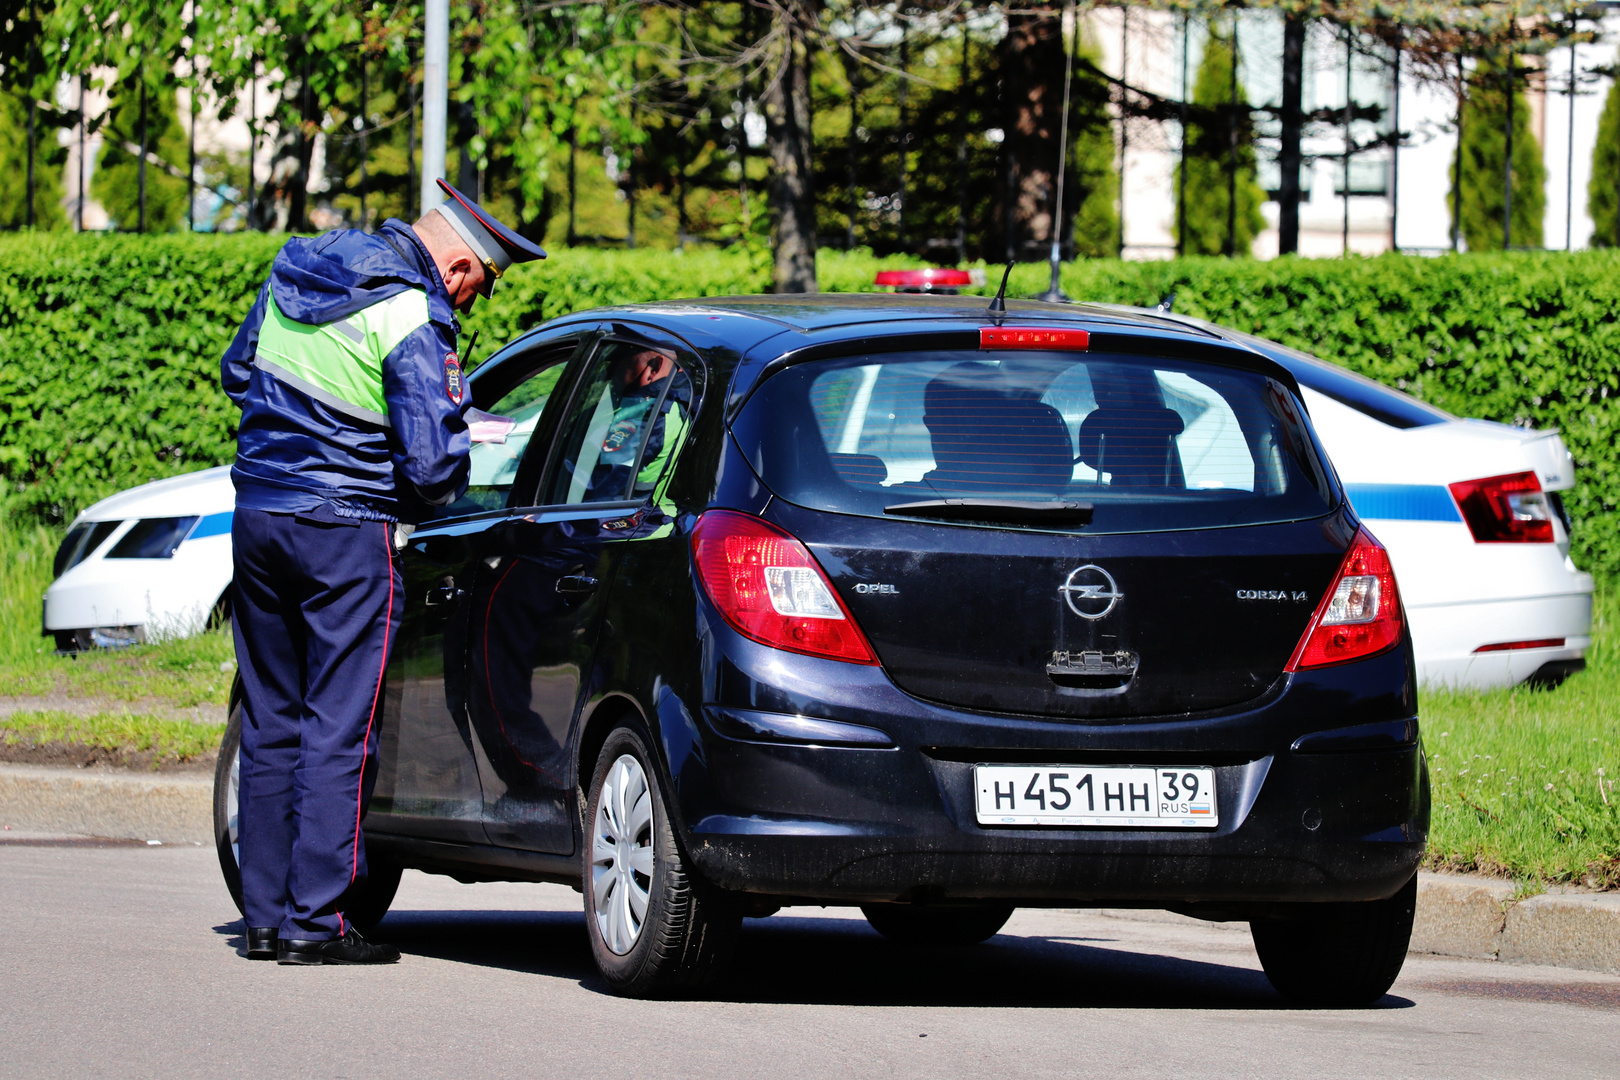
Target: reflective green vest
[(340, 364)]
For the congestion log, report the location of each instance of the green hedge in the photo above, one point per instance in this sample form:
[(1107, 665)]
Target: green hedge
[(110, 345)]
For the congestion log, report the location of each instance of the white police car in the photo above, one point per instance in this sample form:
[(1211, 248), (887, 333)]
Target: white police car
[(149, 563), (1474, 521)]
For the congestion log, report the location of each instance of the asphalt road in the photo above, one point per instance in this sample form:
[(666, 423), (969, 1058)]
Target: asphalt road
[(121, 961)]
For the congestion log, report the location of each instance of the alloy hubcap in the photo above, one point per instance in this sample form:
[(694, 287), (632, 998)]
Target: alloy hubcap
[(622, 855), (233, 807)]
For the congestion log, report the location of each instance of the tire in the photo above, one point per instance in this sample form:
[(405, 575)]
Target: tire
[(1337, 955), (909, 924), (366, 905), (685, 930), (227, 773)]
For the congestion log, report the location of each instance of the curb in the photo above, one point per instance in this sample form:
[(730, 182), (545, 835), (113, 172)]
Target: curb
[(1479, 918), (1466, 916), (176, 808)]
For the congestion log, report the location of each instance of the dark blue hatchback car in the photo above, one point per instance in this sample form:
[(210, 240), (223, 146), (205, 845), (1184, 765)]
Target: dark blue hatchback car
[(896, 602)]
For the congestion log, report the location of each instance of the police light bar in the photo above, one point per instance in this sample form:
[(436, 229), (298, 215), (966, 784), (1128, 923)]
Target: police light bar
[(1032, 337), (930, 280)]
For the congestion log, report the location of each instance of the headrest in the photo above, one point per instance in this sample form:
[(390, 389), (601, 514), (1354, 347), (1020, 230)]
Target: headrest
[(1130, 442)]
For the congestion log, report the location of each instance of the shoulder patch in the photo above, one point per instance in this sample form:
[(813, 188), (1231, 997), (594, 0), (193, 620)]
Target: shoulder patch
[(455, 383)]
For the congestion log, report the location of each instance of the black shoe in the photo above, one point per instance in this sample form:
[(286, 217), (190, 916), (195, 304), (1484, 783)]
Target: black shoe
[(351, 948), (261, 943)]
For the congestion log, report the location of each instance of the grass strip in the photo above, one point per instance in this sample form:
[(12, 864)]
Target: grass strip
[(121, 732), (1525, 780)]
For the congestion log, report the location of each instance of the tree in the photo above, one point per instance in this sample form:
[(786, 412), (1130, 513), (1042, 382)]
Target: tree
[(1093, 179), (1483, 154), (48, 161), (117, 182), (1219, 159), (788, 144), (1032, 103), (1603, 189)]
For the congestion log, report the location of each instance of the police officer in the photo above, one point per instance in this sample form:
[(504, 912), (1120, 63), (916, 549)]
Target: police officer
[(352, 400)]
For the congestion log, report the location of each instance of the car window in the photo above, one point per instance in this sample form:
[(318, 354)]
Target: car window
[(152, 538), (80, 543), (501, 428), (624, 426), (1151, 443)]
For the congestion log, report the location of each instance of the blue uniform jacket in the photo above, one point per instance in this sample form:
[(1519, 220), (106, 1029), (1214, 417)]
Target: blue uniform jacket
[(295, 454)]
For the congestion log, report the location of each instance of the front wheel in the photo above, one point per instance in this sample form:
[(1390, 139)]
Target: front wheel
[(913, 925), (367, 903), (1337, 955), (654, 926)]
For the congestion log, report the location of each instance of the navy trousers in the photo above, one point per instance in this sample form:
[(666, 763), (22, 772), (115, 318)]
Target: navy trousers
[(317, 605)]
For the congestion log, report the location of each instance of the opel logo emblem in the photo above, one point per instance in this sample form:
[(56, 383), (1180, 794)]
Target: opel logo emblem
[(1090, 592)]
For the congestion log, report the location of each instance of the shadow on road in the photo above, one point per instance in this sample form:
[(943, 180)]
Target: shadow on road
[(821, 961)]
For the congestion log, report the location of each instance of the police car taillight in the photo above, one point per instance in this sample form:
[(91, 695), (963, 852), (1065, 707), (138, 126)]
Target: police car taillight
[(1361, 614), (1508, 509), (770, 589)]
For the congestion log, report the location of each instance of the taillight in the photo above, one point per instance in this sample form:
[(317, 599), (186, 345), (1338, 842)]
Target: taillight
[(768, 588), (1505, 509), (1361, 614)]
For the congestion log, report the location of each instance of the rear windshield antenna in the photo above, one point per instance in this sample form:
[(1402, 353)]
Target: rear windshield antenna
[(998, 306)]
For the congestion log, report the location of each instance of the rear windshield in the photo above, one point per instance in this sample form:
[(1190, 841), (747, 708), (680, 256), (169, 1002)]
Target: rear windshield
[(1149, 444)]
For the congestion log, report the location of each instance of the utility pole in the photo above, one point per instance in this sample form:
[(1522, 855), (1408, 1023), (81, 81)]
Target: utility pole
[(1456, 186), (1349, 68), (1053, 292), (365, 119), (851, 164), (82, 108), (1507, 160), (1569, 161), (905, 128), (1124, 129), (962, 92), (1289, 153), (191, 147), (140, 169), (1181, 177), (435, 95), (33, 108), (1395, 152), (253, 141), (1231, 150)]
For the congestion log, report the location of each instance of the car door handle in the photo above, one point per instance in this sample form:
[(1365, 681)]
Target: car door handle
[(576, 584), (443, 594)]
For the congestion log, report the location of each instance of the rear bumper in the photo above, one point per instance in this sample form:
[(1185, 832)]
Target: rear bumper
[(1369, 842), (1446, 637), (848, 824)]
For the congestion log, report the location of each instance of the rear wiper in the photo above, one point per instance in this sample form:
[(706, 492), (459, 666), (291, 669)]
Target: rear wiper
[(1008, 510)]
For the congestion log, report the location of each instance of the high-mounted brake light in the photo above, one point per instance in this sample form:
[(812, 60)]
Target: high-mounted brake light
[(1032, 337), (1505, 509), (770, 589), (1361, 614)]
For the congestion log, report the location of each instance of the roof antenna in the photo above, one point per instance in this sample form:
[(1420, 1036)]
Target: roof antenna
[(1164, 305), (998, 306)]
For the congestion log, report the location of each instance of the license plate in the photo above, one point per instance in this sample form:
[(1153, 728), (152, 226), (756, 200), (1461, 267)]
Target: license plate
[(1129, 797)]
